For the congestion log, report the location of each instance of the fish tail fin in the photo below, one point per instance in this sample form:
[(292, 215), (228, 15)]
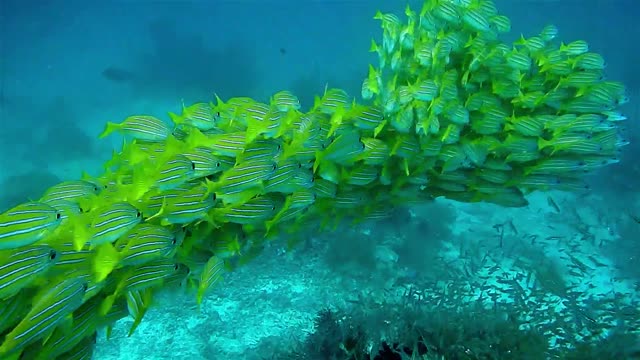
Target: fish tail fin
[(108, 129), (80, 236), (160, 212), (255, 128), (106, 259), (107, 304), (379, 128), (195, 138), (177, 119), (374, 46), (140, 184), (317, 161), (542, 143)]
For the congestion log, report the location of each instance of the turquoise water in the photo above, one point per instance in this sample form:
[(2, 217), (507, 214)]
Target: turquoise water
[(67, 67)]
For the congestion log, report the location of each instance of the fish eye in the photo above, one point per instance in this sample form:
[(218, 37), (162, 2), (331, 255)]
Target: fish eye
[(218, 114), (53, 255), (85, 286), (176, 267), (58, 216), (95, 188), (218, 164), (214, 196), (138, 214), (299, 165), (274, 166), (193, 165), (279, 147), (174, 240)]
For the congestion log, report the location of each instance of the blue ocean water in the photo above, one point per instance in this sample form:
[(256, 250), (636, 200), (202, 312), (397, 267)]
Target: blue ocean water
[(68, 67)]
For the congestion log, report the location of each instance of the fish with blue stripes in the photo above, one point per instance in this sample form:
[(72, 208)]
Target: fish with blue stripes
[(27, 223)]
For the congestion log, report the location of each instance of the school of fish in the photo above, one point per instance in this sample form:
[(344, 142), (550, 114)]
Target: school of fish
[(451, 111)]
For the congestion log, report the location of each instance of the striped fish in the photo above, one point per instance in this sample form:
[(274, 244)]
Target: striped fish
[(152, 201), (231, 115), (302, 199), (143, 277), (70, 191), (174, 172), (108, 224), (476, 19), (261, 120), (575, 48), (186, 205), (85, 324), (198, 115), (94, 285), (13, 309), (343, 150), (261, 149), (476, 151), (366, 92), (258, 112), (361, 175), (367, 117), (288, 177), (150, 275), (324, 188), (146, 242), (66, 208), (26, 224), (69, 258), (557, 166), (376, 151), (406, 146), (494, 176), (447, 11), (502, 23), (589, 61), (48, 310), (332, 101), (211, 274), (285, 101), (349, 199), (430, 145), (83, 350), (205, 162), (229, 144), (246, 175), (18, 268), (140, 127), (138, 302), (253, 211), (581, 79)]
